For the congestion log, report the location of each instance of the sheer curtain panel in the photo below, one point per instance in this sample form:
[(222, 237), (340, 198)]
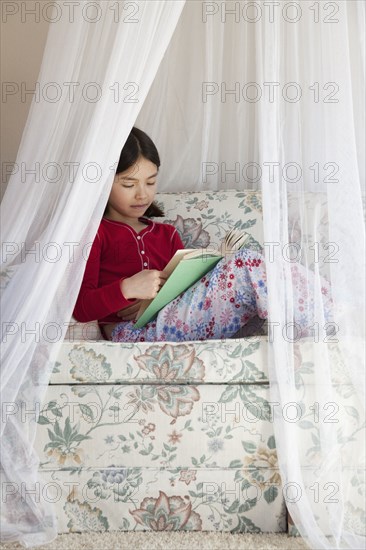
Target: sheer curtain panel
[(104, 63), (270, 96)]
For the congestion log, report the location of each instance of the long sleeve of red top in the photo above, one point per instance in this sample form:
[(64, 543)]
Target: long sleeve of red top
[(119, 252)]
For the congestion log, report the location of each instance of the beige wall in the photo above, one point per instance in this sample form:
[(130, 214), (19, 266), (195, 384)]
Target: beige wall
[(22, 42)]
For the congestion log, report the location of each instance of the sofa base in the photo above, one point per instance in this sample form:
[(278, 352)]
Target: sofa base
[(153, 499)]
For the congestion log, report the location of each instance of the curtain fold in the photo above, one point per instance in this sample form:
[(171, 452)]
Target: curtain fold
[(282, 96), (320, 477), (49, 217)]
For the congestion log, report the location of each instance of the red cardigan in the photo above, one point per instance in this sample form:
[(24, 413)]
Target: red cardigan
[(119, 252)]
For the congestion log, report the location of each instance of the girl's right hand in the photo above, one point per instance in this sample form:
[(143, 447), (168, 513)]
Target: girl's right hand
[(144, 285)]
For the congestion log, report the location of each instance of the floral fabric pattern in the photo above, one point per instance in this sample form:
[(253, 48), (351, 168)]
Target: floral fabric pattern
[(167, 514), (212, 361), (223, 301)]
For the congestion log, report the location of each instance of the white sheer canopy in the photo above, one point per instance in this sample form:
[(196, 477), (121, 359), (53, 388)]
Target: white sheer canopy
[(83, 139), (246, 96)]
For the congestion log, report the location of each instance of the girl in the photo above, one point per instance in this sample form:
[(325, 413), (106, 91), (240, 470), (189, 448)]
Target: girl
[(127, 260)]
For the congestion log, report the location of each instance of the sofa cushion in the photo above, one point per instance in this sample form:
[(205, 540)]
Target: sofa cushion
[(210, 361), (204, 218)]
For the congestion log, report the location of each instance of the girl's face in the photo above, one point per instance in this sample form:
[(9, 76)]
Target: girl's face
[(132, 192)]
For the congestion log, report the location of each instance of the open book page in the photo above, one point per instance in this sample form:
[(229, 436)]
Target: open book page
[(235, 239), (180, 255), (188, 265), (232, 241)]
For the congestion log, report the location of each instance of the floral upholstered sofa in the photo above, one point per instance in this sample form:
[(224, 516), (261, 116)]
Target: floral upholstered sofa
[(168, 436)]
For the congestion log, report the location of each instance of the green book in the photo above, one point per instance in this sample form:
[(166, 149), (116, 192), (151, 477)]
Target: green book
[(184, 269)]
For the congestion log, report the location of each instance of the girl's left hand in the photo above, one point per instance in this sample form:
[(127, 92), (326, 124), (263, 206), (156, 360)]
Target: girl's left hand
[(129, 313)]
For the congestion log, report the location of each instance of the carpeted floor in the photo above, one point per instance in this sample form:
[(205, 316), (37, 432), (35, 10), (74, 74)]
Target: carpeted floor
[(169, 541)]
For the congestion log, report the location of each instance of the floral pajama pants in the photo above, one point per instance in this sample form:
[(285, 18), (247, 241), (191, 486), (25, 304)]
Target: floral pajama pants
[(223, 301)]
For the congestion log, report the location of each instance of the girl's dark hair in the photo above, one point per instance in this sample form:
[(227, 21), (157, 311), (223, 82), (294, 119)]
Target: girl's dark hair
[(139, 144)]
